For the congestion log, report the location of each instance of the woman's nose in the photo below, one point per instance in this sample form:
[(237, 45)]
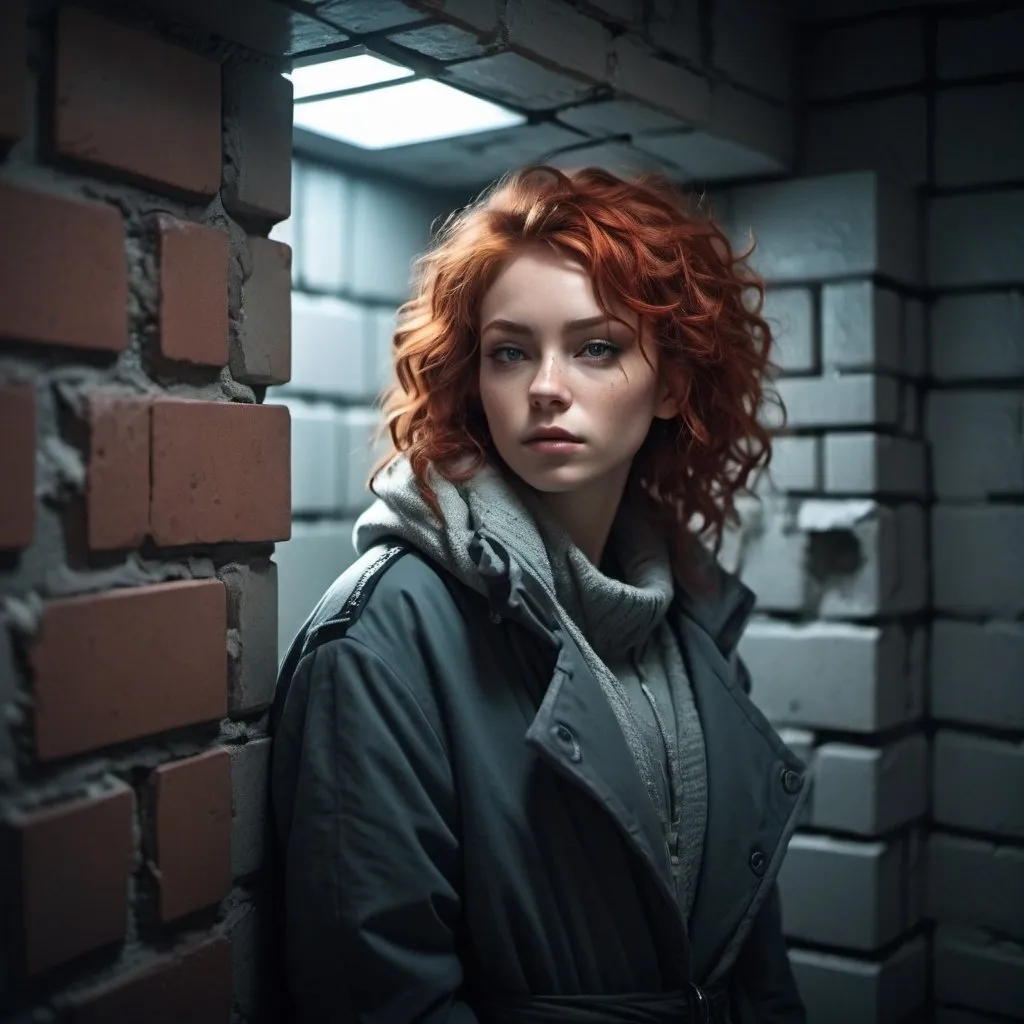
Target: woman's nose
[(549, 384)]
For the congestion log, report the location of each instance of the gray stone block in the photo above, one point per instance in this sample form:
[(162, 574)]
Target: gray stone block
[(978, 783), (833, 675), (772, 559), (557, 33), (676, 25), (359, 450), (314, 456), (752, 44), (794, 465), (915, 338), (250, 773), (842, 893), (441, 42), (790, 315), (480, 16), (323, 224), (843, 990), (976, 239), (975, 970), (252, 618), (977, 443), (381, 323), (977, 673), (876, 464), (978, 337), (835, 226), (512, 78), (308, 564), (857, 400), (836, 65), (870, 790), (978, 559), (616, 117), (888, 136), (979, 134), (974, 883), (674, 90), (987, 44), (861, 327)]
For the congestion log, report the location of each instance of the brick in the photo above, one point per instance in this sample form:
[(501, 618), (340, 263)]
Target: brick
[(977, 782), (627, 160), (843, 893), (307, 565), (991, 656), (857, 400), (64, 270), (975, 883), (441, 42), (978, 560), (380, 361), (836, 65), (74, 859), (18, 464), (672, 89), (844, 990), (833, 675), (250, 774), (315, 464), (329, 351), (128, 663), (514, 79), (193, 291), (323, 219), (13, 71), (977, 443), (478, 15), (676, 26), (362, 16), (978, 337), (221, 472), (914, 361), (760, 132), (257, 141), (794, 465), (117, 478), (252, 613), (390, 227), (988, 44), (772, 560), (870, 790), (861, 327), (141, 106), (834, 226), (191, 984), (752, 44), (863, 463), (974, 239), (976, 970), (791, 315), (262, 351), (616, 117), (556, 33), (979, 139), (358, 452), (192, 832)]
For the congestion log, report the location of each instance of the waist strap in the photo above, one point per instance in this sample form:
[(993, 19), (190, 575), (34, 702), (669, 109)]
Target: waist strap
[(693, 1006)]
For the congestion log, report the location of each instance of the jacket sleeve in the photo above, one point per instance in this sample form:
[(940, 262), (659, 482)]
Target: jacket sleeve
[(765, 978), (365, 815)]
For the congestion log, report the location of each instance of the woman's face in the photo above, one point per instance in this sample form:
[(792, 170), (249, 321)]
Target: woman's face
[(551, 361)]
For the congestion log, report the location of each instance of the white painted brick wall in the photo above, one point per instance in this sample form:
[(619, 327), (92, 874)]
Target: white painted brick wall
[(329, 348), (833, 675), (790, 315), (358, 452), (978, 337), (314, 457), (857, 400), (978, 559), (841, 225), (985, 45), (870, 790), (324, 216), (970, 969), (844, 990), (979, 134), (977, 440), (880, 464), (976, 239), (794, 465), (844, 893), (380, 334), (971, 882), (861, 327), (978, 783), (977, 673)]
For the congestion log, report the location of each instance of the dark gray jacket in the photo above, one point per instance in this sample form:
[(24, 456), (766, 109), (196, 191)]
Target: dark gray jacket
[(461, 831)]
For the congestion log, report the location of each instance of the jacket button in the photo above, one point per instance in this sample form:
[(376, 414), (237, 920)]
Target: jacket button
[(792, 781), (758, 862)]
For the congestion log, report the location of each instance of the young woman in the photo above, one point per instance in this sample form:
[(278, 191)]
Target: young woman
[(516, 774)]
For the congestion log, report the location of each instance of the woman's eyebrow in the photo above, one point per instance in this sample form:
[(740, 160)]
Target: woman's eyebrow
[(570, 325)]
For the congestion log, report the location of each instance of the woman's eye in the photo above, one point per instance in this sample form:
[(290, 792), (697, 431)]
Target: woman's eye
[(600, 349), (507, 354)]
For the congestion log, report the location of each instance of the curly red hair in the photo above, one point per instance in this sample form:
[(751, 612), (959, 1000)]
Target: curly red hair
[(646, 248)]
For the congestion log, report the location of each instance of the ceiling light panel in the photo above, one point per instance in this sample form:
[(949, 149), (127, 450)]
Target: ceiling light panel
[(353, 72)]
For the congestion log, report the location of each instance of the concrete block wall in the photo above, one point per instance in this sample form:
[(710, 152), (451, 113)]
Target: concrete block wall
[(353, 240), (143, 312)]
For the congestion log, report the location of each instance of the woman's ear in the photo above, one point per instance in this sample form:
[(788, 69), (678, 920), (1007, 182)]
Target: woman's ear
[(667, 407)]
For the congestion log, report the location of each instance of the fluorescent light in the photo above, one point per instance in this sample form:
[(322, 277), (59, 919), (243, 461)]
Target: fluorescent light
[(399, 115), (344, 73)]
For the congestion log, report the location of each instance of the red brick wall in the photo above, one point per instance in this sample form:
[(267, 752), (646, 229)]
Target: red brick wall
[(143, 312)]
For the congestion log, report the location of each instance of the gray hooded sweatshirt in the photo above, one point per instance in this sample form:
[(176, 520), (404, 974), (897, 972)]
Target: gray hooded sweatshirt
[(617, 618)]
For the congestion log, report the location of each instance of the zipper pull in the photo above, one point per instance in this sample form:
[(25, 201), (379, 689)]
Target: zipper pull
[(672, 840)]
